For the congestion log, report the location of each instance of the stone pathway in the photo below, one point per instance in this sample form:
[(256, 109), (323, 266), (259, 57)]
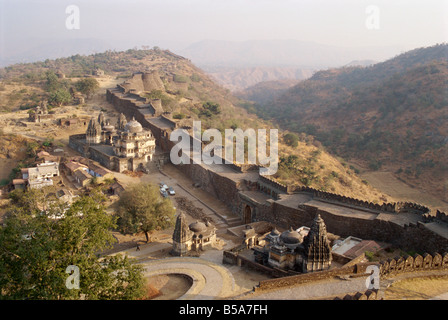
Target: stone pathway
[(443, 296), (315, 290)]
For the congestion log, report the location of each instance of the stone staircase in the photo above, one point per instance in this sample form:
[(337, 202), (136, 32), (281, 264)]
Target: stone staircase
[(234, 221)]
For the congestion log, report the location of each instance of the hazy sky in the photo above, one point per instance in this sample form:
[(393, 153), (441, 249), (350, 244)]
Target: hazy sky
[(174, 24)]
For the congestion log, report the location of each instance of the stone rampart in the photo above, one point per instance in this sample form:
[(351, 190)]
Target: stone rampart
[(397, 207), (303, 278), (417, 262), (367, 295), (408, 236), (75, 142), (391, 267)]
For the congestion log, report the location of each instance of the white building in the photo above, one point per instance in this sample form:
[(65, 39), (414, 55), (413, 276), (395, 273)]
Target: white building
[(41, 175)]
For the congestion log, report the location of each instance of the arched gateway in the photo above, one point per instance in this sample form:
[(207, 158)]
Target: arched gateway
[(247, 215)]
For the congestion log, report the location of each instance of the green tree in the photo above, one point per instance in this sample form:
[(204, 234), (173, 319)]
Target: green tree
[(291, 139), (87, 86), (212, 107), (52, 82), (142, 209), (41, 237), (31, 148), (59, 97)]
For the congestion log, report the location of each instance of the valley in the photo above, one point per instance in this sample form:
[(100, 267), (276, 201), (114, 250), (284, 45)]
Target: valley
[(391, 115)]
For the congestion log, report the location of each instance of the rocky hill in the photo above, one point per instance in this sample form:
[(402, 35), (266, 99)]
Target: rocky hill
[(238, 79), (187, 93), (392, 114), (266, 91), (281, 52)]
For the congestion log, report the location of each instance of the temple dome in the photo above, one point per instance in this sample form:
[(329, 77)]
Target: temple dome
[(133, 126), (291, 237), (109, 128), (197, 226)]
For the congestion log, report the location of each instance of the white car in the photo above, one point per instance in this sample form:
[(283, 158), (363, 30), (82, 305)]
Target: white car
[(163, 193), (171, 191)]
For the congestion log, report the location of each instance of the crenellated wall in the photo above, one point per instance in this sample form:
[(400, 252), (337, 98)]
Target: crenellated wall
[(408, 237), (391, 267), (425, 262), (367, 295), (397, 207), (440, 217)]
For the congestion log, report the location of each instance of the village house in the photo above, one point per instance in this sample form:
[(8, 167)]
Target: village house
[(82, 177), (37, 177)]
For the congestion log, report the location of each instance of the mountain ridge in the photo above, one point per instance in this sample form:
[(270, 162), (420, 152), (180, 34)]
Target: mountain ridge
[(252, 53), (394, 113)]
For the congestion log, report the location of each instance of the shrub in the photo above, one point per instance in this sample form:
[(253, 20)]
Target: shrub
[(180, 78), (195, 77), (375, 164), (178, 116), (291, 139), (369, 255)]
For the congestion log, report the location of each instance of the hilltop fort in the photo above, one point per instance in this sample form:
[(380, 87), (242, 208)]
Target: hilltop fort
[(254, 197)]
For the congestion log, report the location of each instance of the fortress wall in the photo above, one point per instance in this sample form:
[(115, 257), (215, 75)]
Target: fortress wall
[(385, 207), (74, 142), (417, 262), (130, 109), (125, 106), (161, 136), (103, 159), (217, 185), (391, 267), (273, 184), (303, 278), (157, 105), (135, 82), (147, 81), (441, 216), (152, 81), (407, 237), (415, 237), (171, 122), (366, 295), (136, 97)]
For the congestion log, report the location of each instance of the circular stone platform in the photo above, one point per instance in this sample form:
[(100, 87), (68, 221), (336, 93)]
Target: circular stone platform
[(210, 281)]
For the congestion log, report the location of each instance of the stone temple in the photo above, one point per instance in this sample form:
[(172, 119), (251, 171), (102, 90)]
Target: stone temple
[(302, 250), (125, 146), (195, 236)]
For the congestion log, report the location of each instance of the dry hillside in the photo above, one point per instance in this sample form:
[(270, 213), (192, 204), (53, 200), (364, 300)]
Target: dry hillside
[(188, 93), (392, 115)]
